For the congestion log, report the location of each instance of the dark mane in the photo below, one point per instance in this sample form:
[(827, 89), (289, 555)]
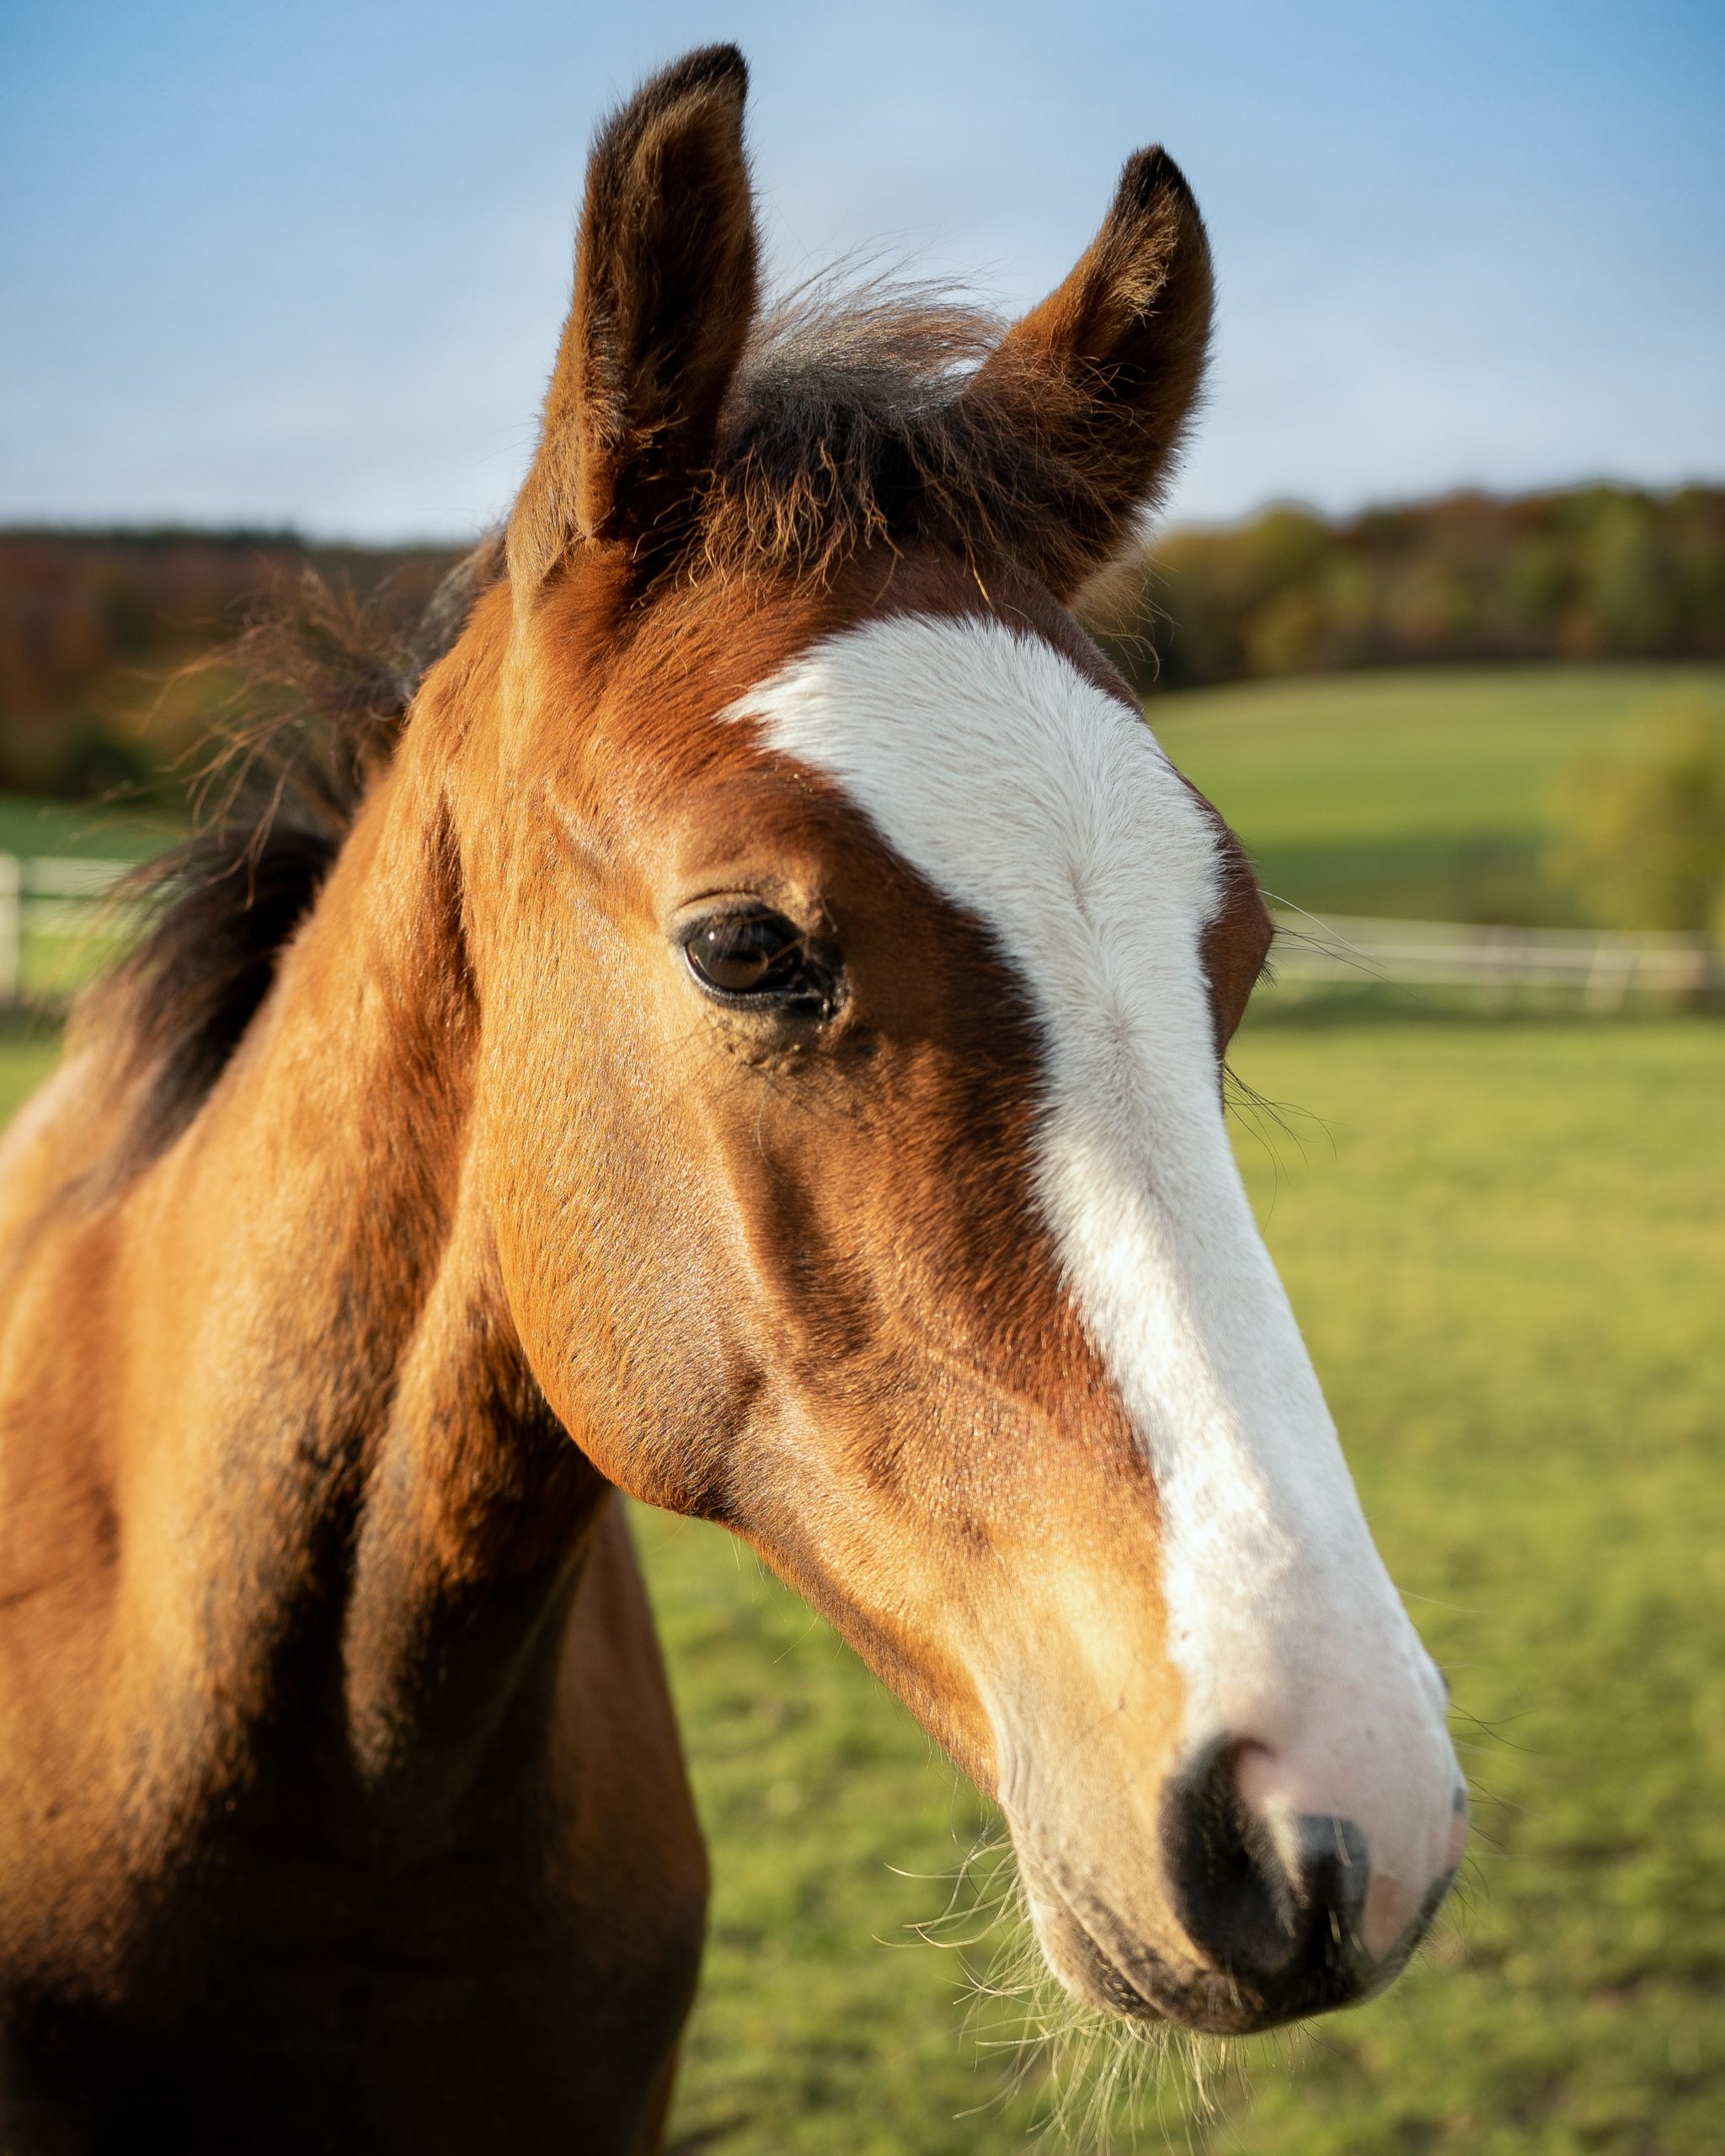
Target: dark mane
[(329, 680), (844, 429)]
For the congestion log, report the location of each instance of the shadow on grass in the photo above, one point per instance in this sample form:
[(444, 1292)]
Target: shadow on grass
[(1416, 876), (702, 2138), (1382, 1003)]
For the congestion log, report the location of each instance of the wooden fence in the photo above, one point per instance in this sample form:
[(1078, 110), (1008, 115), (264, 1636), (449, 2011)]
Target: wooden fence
[(1603, 968), (54, 917), (51, 909)]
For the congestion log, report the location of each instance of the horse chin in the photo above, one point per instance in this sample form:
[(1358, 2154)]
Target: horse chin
[(1093, 1959), (1108, 1963)]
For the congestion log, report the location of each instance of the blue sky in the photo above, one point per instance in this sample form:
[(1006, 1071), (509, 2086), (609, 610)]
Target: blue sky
[(306, 264)]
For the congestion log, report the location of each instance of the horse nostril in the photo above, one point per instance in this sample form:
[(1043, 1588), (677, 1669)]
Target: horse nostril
[(1280, 1910), (1231, 1891)]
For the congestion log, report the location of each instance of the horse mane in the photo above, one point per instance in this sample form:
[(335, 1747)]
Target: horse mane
[(844, 429), (326, 679)]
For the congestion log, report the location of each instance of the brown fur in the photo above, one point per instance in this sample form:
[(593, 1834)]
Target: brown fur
[(340, 1802)]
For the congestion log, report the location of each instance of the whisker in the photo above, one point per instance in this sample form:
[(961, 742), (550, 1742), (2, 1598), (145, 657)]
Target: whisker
[(1093, 2079)]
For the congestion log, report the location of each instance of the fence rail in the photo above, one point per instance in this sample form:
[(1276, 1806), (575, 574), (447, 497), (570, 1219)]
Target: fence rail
[(51, 908), (1605, 967), (51, 911)]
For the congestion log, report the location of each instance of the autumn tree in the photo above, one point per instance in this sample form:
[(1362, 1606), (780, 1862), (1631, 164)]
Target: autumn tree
[(1641, 827)]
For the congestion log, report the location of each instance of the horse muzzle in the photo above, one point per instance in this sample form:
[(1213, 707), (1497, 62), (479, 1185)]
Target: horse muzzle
[(1259, 1916)]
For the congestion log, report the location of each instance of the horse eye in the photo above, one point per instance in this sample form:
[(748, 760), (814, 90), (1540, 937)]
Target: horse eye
[(752, 954)]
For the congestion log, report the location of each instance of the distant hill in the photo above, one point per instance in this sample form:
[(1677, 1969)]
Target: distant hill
[(94, 626)]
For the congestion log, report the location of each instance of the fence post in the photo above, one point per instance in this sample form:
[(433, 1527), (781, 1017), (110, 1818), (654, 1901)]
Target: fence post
[(1609, 976), (11, 926)]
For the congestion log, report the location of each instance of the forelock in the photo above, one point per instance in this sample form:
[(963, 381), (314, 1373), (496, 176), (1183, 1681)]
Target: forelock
[(846, 428)]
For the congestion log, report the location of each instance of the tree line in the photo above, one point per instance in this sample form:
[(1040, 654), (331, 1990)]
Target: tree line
[(1600, 572), (96, 629), (94, 626)]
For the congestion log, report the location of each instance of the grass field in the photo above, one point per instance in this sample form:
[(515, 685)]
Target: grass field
[(32, 826), (1506, 1241), (1423, 794)]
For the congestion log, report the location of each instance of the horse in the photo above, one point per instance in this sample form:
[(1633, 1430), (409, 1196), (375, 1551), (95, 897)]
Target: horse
[(732, 1011)]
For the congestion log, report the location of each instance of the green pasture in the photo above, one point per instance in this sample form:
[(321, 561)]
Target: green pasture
[(1422, 793), (70, 829), (28, 1054)]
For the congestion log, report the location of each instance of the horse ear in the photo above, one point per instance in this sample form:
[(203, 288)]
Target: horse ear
[(664, 295), (1103, 375)]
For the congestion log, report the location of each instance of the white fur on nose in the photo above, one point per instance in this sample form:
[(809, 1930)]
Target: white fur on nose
[(1041, 804)]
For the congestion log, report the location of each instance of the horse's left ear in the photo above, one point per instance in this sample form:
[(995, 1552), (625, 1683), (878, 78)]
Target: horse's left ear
[(664, 296), (1102, 376)]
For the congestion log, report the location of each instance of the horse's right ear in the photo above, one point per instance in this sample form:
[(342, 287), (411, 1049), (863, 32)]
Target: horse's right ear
[(664, 295)]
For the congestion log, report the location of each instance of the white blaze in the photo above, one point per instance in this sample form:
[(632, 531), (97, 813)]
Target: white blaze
[(1042, 805)]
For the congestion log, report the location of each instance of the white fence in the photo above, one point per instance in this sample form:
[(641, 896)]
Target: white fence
[(1604, 969), (48, 907)]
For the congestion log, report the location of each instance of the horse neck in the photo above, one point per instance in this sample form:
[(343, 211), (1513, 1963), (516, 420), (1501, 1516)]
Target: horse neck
[(385, 1517)]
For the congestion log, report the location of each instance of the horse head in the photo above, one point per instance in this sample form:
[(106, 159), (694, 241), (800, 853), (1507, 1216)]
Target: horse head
[(855, 975)]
